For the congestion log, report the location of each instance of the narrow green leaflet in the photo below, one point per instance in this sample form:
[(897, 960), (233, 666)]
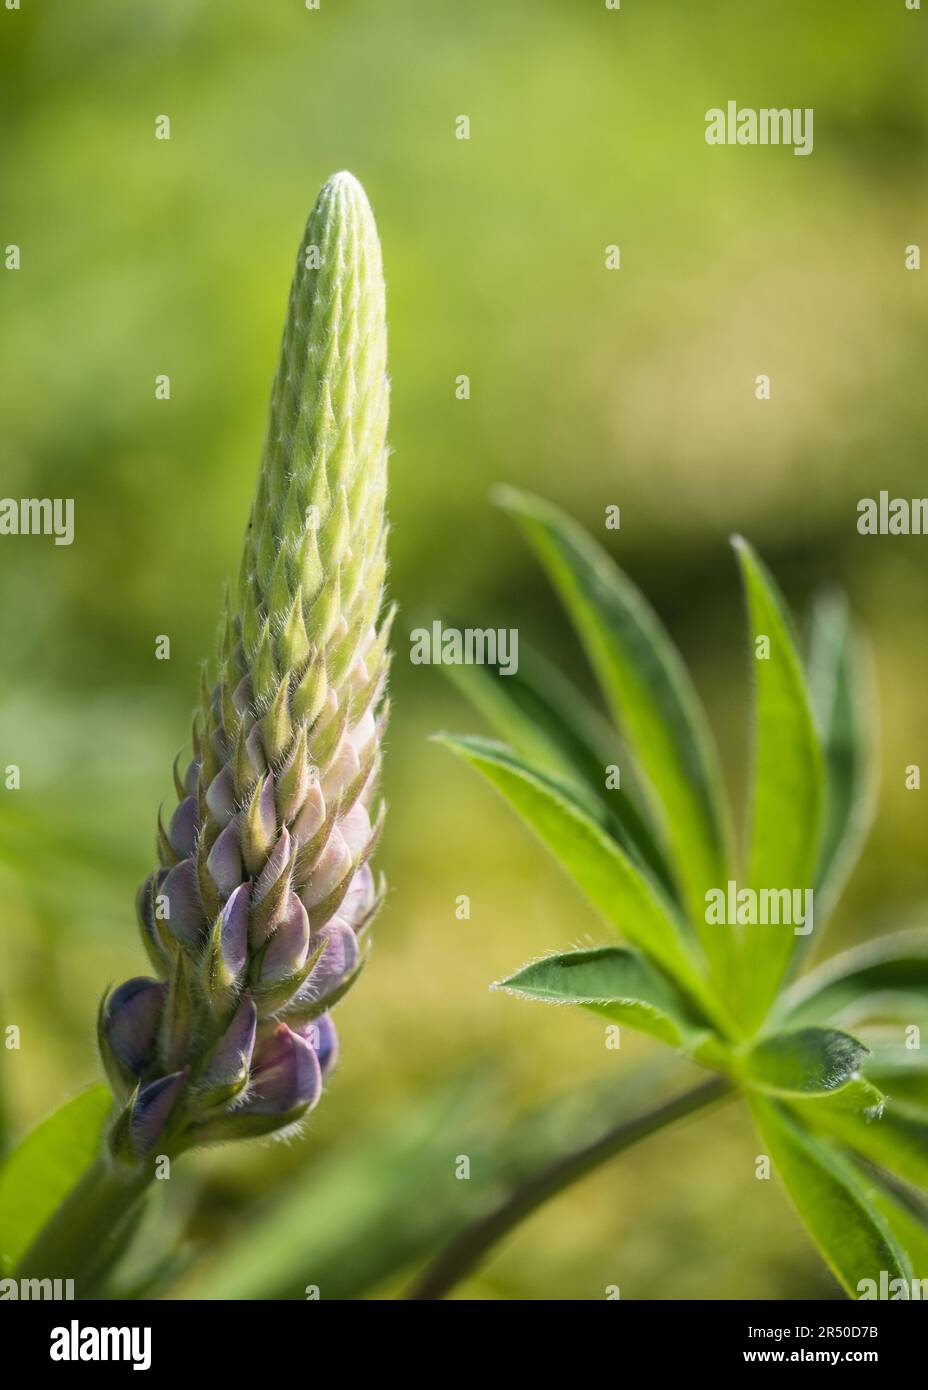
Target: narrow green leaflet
[(618, 983), (900, 1072), (896, 1139), (651, 697), (841, 693), (810, 1061), (602, 871), (907, 1219), (545, 718), (888, 975), (820, 1072), (857, 1097), (832, 1199), (39, 1174), (817, 1070), (788, 786)]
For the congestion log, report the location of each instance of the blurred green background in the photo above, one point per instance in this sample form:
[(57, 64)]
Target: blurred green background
[(593, 387)]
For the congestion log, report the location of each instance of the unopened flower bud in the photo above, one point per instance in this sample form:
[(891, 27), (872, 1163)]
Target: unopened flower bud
[(254, 918)]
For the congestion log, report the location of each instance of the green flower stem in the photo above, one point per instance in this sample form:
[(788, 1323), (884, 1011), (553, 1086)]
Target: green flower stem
[(77, 1240), (464, 1253)]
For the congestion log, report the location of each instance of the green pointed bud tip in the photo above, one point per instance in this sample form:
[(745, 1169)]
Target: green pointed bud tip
[(329, 402)]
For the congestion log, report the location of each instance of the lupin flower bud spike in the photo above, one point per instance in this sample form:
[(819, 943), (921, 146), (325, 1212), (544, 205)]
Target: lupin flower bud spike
[(254, 918)]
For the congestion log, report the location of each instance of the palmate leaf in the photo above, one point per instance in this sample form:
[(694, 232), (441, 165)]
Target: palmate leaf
[(545, 718), (617, 983), (650, 695), (788, 787), (842, 697), (818, 1097), (833, 1199), (603, 872)]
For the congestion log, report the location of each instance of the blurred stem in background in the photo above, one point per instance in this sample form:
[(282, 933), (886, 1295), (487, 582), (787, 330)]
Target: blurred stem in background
[(473, 1244), (383, 1203)]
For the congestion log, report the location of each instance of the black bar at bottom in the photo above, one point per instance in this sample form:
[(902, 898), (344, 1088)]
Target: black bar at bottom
[(298, 1339)]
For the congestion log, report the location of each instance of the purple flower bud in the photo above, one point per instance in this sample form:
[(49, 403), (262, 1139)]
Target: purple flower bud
[(344, 767), (285, 1075), (356, 830), (225, 860), (256, 756), (220, 747), (311, 818), (277, 862), (191, 777), (131, 1019), (143, 904), (361, 898), (259, 827), (337, 960), (145, 907), (364, 733), (182, 896), (232, 1055), (153, 1105), (242, 695), (289, 946), (220, 796), (328, 872), (272, 890), (184, 826), (233, 930), (323, 1039)]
